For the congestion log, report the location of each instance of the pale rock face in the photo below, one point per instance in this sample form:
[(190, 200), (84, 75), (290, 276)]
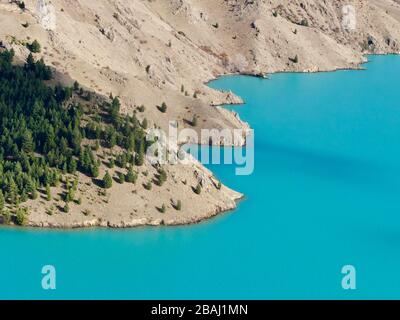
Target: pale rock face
[(46, 15)]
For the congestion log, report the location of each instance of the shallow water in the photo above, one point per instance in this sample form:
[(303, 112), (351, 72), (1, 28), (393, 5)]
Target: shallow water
[(324, 194)]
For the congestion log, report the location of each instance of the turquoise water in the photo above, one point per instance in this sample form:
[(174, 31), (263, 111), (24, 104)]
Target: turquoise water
[(324, 194)]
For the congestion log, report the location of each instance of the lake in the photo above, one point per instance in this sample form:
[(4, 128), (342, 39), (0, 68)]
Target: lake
[(325, 193)]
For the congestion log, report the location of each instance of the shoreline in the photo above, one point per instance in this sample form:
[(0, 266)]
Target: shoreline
[(137, 223), (190, 220)]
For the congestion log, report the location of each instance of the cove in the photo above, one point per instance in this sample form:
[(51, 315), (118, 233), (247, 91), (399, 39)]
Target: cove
[(324, 194)]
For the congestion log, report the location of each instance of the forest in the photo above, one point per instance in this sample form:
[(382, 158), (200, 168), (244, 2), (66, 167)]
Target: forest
[(50, 131)]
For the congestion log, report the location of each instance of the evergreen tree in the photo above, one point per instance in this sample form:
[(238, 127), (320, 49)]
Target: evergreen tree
[(107, 181), (20, 217), (12, 191), (48, 193), (121, 177), (131, 176), (2, 201)]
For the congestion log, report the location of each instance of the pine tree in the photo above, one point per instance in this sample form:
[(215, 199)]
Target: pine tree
[(107, 181), (12, 191), (20, 217), (121, 177), (94, 170), (2, 201), (27, 142), (140, 155), (48, 193), (34, 47), (131, 176)]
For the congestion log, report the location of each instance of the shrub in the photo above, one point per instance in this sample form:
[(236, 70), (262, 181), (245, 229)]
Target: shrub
[(162, 177), (163, 107), (121, 177), (163, 208), (145, 123), (197, 190), (34, 47), (295, 59), (194, 121), (21, 5), (304, 23), (131, 177), (148, 185), (178, 205)]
